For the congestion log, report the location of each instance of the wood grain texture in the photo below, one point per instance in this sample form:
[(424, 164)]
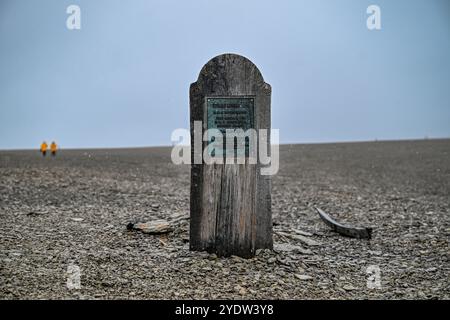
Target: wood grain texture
[(230, 203)]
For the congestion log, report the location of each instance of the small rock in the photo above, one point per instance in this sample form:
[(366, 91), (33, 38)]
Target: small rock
[(303, 233), (303, 277), (212, 256), (237, 258), (299, 237), (421, 295), (286, 247), (77, 219), (348, 287), (241, 290), (272, 260)]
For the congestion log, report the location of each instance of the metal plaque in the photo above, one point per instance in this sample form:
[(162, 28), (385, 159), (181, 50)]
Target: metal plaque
[(229, 113)]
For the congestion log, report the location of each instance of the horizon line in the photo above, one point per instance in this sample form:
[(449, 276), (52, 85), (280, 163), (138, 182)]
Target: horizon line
[(281, 144)]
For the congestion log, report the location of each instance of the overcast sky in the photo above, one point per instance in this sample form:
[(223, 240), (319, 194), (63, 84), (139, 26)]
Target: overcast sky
[(123, 79)]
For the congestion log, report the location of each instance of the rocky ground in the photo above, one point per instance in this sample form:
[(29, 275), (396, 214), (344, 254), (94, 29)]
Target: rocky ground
[(73, 211)]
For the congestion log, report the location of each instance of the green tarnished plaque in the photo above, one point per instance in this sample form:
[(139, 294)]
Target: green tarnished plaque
[(229, 113)]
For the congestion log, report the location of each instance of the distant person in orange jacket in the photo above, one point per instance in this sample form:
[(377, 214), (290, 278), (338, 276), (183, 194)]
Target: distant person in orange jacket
[(53, 148), (44, 147)]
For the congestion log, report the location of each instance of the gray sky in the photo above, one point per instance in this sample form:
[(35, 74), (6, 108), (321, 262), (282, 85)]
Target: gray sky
[(123, 79)]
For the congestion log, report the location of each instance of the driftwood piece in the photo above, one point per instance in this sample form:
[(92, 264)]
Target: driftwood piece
[(353, 232), (152, 227)]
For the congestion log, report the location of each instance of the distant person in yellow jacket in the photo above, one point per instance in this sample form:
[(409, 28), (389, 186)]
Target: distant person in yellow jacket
[(53, 148), (44, 148)]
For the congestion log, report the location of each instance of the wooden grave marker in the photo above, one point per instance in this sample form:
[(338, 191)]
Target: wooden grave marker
[(230, 204)]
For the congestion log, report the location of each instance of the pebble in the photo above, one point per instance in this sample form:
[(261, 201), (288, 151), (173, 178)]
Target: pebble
[(348, 288), (272, 260)]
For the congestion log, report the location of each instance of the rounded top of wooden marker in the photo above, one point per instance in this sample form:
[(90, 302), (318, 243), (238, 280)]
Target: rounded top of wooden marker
[(231, 73)]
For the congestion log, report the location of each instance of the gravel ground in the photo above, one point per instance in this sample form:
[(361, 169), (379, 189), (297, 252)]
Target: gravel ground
[(73, 210)]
